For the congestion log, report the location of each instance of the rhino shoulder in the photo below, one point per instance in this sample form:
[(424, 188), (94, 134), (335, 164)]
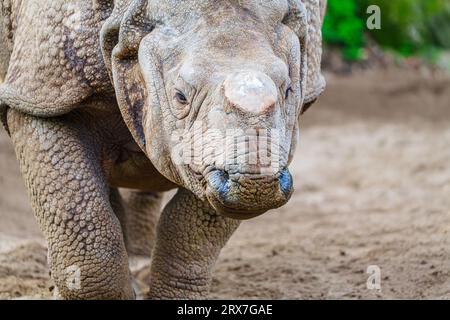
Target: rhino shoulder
[(55, 60), (316, 81), (5, 35)]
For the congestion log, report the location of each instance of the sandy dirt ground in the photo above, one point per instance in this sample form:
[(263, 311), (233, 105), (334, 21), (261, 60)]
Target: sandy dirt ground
[(372, 176)]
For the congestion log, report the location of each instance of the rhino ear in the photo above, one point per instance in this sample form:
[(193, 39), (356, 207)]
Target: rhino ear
[(305, 18), (120, 39)]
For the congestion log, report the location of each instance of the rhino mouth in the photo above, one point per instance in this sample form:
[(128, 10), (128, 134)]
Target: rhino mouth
[(241, 195)]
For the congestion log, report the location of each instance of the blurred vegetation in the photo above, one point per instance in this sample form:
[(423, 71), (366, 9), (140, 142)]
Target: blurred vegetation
[(408, 27), (344, 28)]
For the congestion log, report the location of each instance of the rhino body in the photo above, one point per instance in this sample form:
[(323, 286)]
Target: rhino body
[(93, 93)]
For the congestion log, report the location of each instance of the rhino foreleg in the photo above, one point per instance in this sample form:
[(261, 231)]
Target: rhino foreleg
[(60, 164), (190, 235)]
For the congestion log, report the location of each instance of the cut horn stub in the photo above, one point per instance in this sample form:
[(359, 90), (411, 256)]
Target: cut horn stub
[(251, 92)]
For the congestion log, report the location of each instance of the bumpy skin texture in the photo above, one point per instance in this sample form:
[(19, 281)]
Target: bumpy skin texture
[(190, 237), (6, 35), (55, 60), (69, 196), (316, 9), (94, 93)]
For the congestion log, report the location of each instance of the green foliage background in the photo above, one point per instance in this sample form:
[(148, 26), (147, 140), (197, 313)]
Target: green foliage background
[(409, 27)]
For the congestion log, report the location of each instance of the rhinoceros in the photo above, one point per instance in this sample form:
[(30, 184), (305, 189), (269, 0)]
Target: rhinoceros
[(144, 95)]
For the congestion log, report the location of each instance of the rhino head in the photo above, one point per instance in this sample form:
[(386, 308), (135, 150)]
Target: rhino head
[(212, 92)]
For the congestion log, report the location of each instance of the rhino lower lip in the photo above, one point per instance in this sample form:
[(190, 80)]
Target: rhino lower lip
[(238, 214), (233, 213)]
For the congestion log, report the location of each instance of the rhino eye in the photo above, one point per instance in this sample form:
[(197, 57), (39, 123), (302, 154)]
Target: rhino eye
[(288, 91), (181, 97)]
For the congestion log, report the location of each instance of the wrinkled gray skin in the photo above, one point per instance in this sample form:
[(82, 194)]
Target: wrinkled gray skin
[(93, 92)]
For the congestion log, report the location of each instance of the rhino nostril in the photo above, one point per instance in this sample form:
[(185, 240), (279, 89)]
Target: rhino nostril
[(218, 181), (286, 184)]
